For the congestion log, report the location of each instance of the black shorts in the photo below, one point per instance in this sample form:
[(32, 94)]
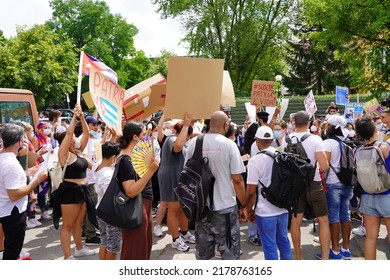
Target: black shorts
[(72, 193), (315, 195)]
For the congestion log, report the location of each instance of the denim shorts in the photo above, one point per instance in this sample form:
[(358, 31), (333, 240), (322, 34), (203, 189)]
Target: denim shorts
[(377, 205), (338, 197)]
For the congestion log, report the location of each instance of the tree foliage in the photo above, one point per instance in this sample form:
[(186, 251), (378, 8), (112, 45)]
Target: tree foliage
[(361, 30), (93, 28), (39, 60), (248, 34)]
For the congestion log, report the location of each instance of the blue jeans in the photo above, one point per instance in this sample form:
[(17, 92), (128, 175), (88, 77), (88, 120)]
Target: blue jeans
[(274, 236), (338, 197), (253, 231)]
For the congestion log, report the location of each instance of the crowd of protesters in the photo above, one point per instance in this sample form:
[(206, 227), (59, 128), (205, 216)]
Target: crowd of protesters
[(234, 159)]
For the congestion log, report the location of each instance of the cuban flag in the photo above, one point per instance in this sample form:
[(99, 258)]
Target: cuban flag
[(89, 61), (109, 112)]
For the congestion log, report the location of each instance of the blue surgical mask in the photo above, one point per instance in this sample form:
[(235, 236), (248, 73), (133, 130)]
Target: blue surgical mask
[(277, 134), (95, 134)]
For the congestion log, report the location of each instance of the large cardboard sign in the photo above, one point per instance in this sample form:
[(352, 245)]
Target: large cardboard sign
[(158, 93), (194, 85), (262, 95), (139, 105), (310, 104), (228, 97), (144, 85), (108, 98)]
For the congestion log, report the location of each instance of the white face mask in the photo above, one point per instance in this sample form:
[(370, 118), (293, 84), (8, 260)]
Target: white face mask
[(167, 132), (95, 134), (155, 135), (32, 135), (46, 131), (352, 133), (313, 128)]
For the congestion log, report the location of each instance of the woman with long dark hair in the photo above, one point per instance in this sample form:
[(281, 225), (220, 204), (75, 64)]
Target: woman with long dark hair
[(136, 243)]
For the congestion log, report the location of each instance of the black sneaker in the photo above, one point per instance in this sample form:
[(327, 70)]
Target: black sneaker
[(93, 241), (356, 217)]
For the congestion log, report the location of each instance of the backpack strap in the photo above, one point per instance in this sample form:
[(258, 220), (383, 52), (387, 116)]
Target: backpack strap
[(198, 153), (272, 155), (305, 136)]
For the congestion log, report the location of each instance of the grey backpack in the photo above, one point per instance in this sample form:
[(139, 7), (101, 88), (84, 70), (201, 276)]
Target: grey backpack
[(371, 169)]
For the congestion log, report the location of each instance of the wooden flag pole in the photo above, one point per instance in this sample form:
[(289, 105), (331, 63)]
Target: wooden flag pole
[(80, 77)]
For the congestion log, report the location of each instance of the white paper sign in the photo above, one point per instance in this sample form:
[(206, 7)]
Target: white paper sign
[(310, 104), (251, 110)]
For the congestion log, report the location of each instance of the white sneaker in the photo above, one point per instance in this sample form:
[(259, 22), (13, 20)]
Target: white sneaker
[(317, 239), (188, 238), (157, 231), (70, 258), (85, 251), (30, 224), (45, 216), (36, 222), (1, 255), (361, 230), (180, 245), (24, 254)]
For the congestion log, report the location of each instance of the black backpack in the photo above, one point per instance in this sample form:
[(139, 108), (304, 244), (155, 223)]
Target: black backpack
[(291, 176), (196, 183), (347, 174)]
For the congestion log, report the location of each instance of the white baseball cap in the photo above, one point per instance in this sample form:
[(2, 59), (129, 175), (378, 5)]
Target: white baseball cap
[(264, 132)]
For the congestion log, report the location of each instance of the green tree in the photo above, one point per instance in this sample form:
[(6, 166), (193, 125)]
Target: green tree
[(249, 35), (135, 69), (39, 60), (92, 28), (160, 64), (360, 29)]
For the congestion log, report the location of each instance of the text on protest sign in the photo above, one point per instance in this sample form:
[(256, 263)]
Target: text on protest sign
[(108, 98), (310, 104), (262, 95)]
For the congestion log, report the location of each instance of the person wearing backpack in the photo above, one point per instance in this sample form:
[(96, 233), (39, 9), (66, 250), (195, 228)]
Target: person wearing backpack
[(338, 193), (373, 206), (315, 196), (221, 226), (272, 221)]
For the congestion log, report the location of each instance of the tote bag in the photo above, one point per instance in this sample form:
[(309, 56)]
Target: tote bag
[(118, 209)]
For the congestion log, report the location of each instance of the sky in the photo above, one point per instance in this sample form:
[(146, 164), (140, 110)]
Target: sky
[(154, 34)]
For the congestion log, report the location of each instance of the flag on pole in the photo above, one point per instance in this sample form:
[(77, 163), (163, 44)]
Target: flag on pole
[(89, 61)]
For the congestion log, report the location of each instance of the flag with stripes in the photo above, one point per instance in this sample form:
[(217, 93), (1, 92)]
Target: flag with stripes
[(90, 61)]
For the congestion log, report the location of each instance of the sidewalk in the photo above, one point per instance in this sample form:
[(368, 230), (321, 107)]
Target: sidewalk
[(43, 244)]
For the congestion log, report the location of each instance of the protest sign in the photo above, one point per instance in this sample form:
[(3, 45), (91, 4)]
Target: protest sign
[(342, 96), (310, 104), (228, 97), (251, 111), (88, 100), (138, 106), (194, 85), (373, 108), (354, 110), (144, 85), (108, 98), (262, 95)]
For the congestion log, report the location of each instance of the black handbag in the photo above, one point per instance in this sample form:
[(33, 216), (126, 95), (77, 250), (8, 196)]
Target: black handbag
[(116, 208)]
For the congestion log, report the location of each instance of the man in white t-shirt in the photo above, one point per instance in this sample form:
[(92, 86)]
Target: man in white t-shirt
[(271, 220), (221, 226), (13, 192), (315, 196)]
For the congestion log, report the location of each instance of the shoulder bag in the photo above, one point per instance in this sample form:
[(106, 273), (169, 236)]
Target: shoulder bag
[(118, 209)]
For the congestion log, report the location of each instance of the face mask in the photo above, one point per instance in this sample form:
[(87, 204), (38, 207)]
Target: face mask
[(379, 127), (155, 135), (77, 145), (313, 128), (352, 133), (167, 132), (32, 135), (95, 134), (229, 119), (277, 134), (46, 131)]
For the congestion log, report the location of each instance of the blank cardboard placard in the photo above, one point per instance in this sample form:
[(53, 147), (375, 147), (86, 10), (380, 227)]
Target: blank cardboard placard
[(88, 100), (194, 85), (228, 97), (142, 86)]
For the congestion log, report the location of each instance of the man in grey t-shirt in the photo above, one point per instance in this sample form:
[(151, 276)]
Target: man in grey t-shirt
[(221, 227)]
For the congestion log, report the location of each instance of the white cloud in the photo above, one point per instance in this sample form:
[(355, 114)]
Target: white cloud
[(154, 34)]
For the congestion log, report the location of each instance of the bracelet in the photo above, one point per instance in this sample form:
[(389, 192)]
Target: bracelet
[(243, 206)]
